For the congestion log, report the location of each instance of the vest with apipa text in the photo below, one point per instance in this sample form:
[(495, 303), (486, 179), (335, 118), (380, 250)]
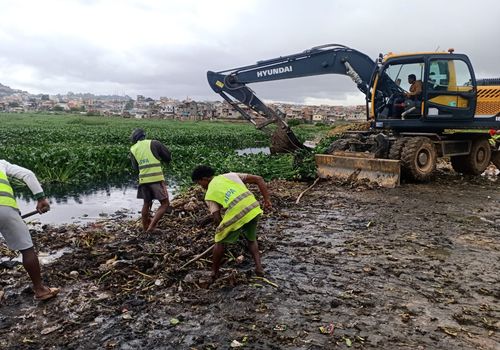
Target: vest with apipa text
[(149, 166), (240, 204)]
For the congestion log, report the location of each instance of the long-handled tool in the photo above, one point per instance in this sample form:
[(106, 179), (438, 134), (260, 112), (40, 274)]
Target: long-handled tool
[(31, 213), (198, 257)]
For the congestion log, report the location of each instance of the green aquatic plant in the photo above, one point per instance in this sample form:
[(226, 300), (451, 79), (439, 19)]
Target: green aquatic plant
[(76, 150)]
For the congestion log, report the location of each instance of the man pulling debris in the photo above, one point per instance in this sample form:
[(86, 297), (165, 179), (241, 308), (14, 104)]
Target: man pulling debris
[(14, 230), (242, 210), (146, 157)]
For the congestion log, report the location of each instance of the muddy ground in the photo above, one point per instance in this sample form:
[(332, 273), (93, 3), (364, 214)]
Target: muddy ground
[(416, 267)]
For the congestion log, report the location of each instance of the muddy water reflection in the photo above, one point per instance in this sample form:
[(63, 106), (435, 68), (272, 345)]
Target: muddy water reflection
[(253, 150), (89, 205)]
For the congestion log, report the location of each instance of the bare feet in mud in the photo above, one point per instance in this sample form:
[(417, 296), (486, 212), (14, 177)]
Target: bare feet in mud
[(46, 293), (154, 231), (214, 277)]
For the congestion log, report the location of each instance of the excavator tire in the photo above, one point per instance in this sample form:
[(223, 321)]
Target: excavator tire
[(476, 162), (343, 144), (418, 158), (397, 148)]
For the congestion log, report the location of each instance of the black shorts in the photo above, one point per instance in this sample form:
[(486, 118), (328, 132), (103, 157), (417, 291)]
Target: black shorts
[(154, 190)]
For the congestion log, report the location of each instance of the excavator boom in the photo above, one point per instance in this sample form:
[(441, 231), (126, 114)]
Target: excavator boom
[(327, 59)]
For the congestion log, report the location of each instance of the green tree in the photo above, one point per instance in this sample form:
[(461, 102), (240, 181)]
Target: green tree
[(129, 105)]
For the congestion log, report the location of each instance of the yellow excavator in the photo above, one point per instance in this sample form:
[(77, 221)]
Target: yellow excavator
[(442, 111)]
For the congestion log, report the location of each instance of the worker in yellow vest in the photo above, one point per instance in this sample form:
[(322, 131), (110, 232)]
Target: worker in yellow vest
[(146, 157), (242, 211), (14, 230)]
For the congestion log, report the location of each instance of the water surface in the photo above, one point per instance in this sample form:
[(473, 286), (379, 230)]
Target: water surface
[(89, 206), (253, 150)]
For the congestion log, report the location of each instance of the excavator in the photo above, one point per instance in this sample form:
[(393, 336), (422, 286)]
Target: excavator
[(450, 114)]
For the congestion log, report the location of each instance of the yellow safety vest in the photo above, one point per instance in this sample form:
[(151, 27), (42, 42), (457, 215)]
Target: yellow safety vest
[(240, 204), (149, 166), (6, 192)]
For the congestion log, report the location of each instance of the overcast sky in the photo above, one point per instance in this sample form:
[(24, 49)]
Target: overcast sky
[(164, 48)]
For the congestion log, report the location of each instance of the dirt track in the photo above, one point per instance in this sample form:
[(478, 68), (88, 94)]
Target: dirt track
[(409, 268)]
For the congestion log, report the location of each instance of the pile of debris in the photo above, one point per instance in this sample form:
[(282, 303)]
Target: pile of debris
[(340, 129), (119, 257), (126, 259)]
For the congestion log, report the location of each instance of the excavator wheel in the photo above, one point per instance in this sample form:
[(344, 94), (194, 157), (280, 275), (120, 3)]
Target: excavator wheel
[(418, 158), (477, 161), (397, 148)]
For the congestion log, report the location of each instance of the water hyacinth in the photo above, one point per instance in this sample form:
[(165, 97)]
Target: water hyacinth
[(76, 150)]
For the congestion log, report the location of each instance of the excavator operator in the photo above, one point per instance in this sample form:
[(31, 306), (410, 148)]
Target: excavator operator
[(415, 88)]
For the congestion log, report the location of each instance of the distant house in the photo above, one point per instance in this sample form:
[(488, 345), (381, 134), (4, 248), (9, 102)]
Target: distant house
[(226, 111), (317, 118), (62, 107), (294, 113), (138, 113), (187, 110), (168, 109), (356, 116), (331, 118), (16, 109)]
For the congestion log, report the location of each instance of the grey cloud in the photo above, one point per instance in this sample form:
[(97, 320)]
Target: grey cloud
[(275, 28)]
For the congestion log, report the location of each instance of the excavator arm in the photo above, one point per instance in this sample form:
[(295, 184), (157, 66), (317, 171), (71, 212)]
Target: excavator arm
[(327, 59)]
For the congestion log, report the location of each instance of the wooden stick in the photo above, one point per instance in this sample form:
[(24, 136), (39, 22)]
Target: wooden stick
[(307, 189), (31, 213), (198, 257), (143, 274)]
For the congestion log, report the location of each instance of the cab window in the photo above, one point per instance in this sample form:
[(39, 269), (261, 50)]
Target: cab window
[(439, 74), (464, 78), (399, 73), (446, 79)]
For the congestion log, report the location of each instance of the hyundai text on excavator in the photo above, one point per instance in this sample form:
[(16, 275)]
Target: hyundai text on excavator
[(452, 116)]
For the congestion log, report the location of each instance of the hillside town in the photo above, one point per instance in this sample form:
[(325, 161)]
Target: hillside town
[(17, 101)]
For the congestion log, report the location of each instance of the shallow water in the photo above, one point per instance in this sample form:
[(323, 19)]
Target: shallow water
[(89, 207), (253, 150), (44, 258)]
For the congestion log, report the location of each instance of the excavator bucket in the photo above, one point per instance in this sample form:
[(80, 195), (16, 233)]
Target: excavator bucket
[(359, 166), (284, 140)]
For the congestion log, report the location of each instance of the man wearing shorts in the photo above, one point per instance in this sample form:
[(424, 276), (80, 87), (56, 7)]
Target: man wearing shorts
[(146, 157), (14, 230), (242, 210)]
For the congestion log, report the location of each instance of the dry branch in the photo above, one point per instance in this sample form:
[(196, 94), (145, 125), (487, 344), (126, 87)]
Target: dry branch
[(198, 257), (307, 189)]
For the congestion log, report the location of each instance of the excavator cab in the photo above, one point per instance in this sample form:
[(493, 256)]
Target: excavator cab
[(448, 91)]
